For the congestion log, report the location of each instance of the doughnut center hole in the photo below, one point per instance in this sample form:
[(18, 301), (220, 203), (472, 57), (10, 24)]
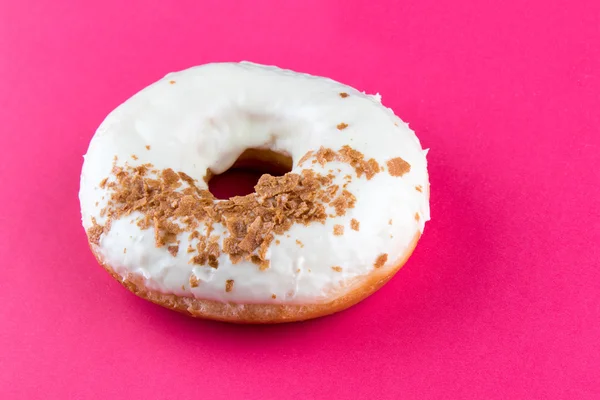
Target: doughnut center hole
[(243, 175)]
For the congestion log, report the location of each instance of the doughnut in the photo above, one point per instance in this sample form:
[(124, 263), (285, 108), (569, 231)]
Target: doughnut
[(339, 219)]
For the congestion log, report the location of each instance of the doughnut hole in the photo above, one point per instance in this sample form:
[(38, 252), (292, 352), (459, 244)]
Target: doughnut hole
[(243, 175)]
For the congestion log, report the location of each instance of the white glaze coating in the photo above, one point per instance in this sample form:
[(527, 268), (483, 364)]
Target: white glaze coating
[(206, 119)]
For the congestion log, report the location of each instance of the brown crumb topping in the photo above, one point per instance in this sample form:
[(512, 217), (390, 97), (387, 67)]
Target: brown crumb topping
[(173, 250), (417, 217), (172, 82), (273, 296), (350, 156), (325, 155), (299, 243), (343, 95), (229, 285), (194, 282), (356, 160), (134, 156), (381, 260), (338, 230), (354, 224), (419, 188), (343, 202), (95, 232), (305, 157), (170, 203), (337, 268), (147, 147), (398, 167), (342, 126)]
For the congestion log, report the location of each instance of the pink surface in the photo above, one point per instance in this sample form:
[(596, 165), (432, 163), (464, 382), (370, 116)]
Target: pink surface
[(501, 299)]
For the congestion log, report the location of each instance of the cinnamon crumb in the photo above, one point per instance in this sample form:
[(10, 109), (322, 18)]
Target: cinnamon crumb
[(194, 235), (330, 193), (381, 260), (173, 250), (325, 155), (264, 246), (124, 250), (337, 268), (419, 188), (373, 168), (95, 232), (103, 183), (348, 155), (263, 264), (342, 126), (134, 156), (97, 204), (343, 95), (390, 222), (194, 281), (398, 167), (169, 177), (190, 249), (299, 243), (229, 285), (338, 230), (305, 157), (213, 252), (172, 82), (277, 242), (273, 296), (356, 160), (147, 147), (354, 224), (417, 217), (208, 175), (343, 202)]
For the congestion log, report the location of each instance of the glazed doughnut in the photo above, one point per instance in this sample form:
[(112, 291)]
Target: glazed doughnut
[(313, 241)]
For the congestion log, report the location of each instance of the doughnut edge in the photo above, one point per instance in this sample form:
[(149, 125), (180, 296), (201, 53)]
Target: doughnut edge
[(260, 313)]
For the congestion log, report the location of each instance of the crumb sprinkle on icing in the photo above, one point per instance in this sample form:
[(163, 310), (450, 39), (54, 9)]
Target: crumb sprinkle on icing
[(170, 203), (398, 167)]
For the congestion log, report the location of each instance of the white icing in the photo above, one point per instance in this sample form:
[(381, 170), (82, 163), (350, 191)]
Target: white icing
[(206, 119)]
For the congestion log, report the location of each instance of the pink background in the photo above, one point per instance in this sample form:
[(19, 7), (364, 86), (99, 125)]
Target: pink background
[(502, 297)]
